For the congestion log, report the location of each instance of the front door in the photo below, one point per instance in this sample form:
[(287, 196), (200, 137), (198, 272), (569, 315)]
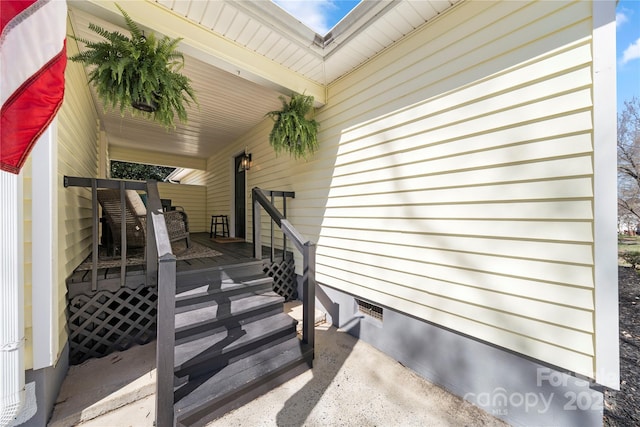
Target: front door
[(240, 200)]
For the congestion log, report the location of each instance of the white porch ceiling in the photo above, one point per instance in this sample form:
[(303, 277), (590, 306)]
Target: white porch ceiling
[(241, 55)]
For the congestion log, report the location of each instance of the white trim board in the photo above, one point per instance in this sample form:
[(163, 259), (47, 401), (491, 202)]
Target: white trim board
[(607, 367), (44, 260)]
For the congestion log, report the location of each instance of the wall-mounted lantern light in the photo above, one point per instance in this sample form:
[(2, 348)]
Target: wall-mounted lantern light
[(245, 162)]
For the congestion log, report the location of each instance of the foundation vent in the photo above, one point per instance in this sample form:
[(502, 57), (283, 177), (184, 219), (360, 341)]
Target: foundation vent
[(369, 309)]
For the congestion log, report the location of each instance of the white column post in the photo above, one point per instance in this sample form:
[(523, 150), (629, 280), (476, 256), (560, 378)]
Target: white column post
[(44, 213), (607, 366), (103, 154), (11, 296)]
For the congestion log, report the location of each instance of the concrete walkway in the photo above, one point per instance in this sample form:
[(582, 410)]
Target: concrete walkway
[(351, 384)]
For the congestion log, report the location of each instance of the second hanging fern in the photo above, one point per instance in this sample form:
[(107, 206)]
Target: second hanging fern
[(292, 131)]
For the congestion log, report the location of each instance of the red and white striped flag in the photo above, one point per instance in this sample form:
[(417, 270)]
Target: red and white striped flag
[(33, 58)]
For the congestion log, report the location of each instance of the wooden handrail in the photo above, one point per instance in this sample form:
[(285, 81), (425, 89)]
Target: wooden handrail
[(76, 181), (305, 247), (161, 263), (160, 272)]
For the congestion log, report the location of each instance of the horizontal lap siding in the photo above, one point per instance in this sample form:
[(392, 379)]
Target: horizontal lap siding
[(268, 171), (218, 182), (192, 198), (460, 179), (280, 173), (77, 156)]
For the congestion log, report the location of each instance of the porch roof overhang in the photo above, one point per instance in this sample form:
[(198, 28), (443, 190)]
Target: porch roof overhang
[(240, 57)]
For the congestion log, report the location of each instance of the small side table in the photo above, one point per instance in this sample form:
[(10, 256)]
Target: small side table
[(219, 220)]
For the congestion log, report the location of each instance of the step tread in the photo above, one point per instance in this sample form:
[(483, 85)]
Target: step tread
[(226, 308), (240, 375), (223, 283), (239, 269), (210, 290), (229, 341)]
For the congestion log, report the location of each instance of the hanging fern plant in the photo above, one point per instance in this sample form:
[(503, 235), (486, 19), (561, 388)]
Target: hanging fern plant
[(292, 132), (138, 72)]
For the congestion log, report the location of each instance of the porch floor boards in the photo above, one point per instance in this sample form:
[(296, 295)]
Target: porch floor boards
[(232, 253)]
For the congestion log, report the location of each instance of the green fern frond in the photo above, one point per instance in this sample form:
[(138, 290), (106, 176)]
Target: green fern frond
[(292, 132), (131, 25), (125, 69)]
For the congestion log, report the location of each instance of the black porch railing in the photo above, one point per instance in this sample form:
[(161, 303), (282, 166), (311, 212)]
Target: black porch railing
[(94, 184), (160, 256), (264, 199), (160, 270), (160, 273)]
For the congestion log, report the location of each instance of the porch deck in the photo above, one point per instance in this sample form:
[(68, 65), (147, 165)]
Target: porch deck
[(231, 252)]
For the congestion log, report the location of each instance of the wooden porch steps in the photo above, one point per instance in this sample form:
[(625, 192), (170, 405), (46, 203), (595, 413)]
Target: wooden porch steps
[(241, 382), (233, 341)]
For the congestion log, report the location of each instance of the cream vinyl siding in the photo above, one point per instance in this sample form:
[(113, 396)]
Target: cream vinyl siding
[(220, 174), (454, 180), (268, 171), (192, 198), (77, 144), (219, 181), (461, 188)]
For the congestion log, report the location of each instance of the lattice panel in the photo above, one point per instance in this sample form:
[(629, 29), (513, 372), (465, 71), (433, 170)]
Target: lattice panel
[(284, 278), (108, 321)]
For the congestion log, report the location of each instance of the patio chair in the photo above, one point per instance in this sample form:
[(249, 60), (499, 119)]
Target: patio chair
[(136, 218)]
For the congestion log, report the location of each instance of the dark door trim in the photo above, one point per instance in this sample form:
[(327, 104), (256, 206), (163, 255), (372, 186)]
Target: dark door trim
[(239, 199)]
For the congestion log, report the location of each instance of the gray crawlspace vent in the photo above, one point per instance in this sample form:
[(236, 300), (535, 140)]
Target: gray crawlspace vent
[(369, 309)]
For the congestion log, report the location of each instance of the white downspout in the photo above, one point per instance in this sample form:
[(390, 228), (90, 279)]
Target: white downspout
[(11, 297)]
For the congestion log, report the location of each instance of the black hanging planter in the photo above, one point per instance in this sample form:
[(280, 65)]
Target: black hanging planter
[(147, 107)]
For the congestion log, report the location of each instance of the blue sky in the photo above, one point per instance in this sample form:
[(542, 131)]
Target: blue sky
[(628, 50), (319, 15), (322, 15)]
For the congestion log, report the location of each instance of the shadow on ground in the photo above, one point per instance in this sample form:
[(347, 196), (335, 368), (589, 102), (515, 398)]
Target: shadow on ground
[(329, 359)]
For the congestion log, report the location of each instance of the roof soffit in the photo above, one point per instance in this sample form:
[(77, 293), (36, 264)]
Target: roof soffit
[(265, 28), (240, 56), (207, 46)]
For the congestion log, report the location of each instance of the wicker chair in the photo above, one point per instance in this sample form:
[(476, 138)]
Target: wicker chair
[(136, 219)]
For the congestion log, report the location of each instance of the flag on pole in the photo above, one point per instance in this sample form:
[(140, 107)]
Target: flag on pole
[(32, 62)]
